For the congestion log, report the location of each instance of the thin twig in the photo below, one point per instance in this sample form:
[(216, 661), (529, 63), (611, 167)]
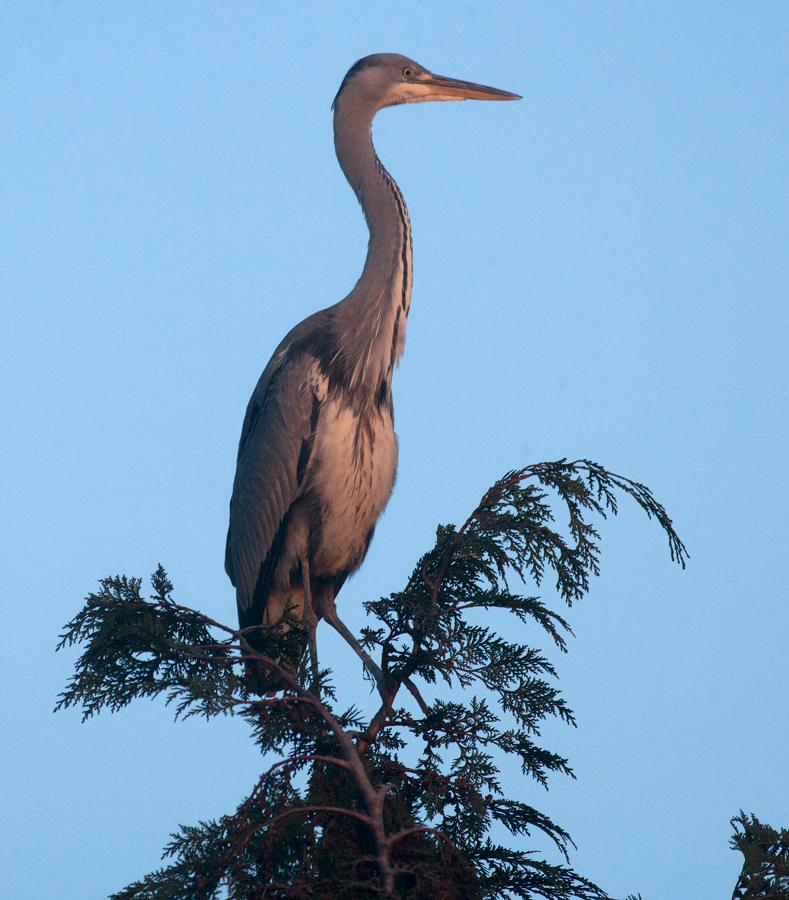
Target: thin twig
[(416, 695), (417, 830)]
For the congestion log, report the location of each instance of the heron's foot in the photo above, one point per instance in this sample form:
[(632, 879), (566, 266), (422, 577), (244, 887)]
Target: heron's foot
[(330, 614), (310, 619), (310, 622)]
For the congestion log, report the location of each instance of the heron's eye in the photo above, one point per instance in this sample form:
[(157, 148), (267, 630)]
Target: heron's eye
[(407, 73)]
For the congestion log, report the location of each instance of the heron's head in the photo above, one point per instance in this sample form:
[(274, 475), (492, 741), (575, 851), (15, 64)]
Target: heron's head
[(386, 79)]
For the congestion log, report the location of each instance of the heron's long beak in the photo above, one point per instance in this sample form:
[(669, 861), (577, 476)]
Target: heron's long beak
[(441, 88)]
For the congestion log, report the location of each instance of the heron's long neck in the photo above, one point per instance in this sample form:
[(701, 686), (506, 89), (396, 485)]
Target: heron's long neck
[(372, 319)]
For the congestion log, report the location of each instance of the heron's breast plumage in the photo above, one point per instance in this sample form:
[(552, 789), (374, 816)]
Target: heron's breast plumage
[(351, 474)]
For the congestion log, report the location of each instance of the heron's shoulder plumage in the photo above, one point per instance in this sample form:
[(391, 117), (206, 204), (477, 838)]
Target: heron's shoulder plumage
[(276, 441)]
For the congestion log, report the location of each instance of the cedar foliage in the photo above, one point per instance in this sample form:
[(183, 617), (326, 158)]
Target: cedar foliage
[(765, 869), (400, 804)]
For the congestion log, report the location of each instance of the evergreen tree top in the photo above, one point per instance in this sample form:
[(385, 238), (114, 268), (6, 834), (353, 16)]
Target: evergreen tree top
[(401, 803)]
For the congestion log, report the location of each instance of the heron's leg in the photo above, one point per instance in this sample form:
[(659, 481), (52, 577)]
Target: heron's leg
[(329, 610), (309, 617)]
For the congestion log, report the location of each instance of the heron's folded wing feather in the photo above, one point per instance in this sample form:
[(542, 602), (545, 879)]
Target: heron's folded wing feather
[(277, 424)]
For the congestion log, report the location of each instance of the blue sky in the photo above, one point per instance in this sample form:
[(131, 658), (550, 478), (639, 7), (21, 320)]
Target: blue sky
[(600, 271)]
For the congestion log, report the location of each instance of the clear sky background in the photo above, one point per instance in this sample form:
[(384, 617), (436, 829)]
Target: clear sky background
[(600, 271)]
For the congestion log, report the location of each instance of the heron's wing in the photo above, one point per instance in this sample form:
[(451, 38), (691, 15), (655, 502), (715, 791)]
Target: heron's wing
[(276, 441)]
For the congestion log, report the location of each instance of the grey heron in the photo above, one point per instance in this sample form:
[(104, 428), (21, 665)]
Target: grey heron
[(318, 451)]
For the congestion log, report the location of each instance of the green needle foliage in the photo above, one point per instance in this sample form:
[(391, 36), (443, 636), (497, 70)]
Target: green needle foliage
[(765, 869), (402, 803)]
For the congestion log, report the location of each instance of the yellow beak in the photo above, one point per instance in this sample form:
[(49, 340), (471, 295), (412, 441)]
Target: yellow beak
[(442, 88)]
